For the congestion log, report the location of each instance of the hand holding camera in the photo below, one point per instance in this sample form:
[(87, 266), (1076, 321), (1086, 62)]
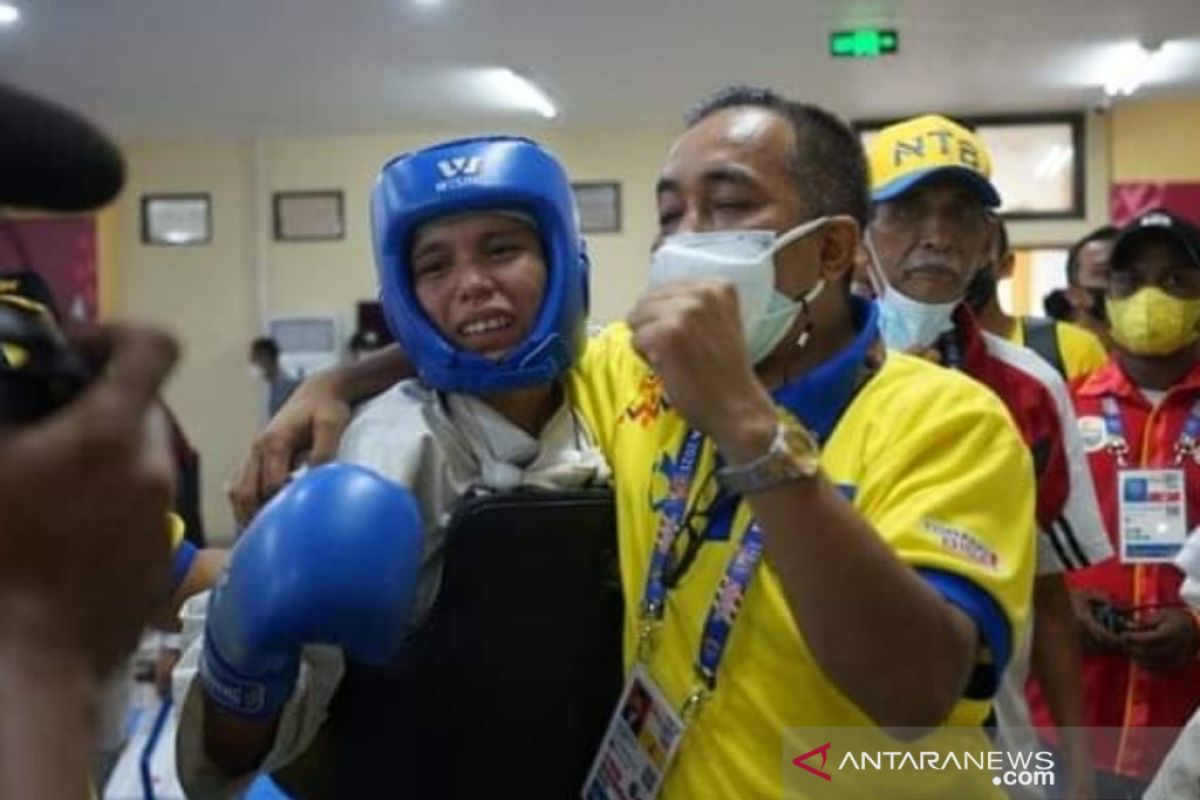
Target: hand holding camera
[(1156, 636)]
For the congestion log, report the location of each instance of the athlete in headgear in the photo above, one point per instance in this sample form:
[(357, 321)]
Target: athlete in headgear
[(483, 279), (508, 191)]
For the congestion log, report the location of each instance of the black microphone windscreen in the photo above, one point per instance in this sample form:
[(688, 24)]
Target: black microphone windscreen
[(53, 159)]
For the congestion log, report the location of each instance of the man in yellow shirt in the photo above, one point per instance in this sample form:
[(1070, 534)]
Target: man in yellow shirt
[(779, 429), (813, 532), (1073, 351)]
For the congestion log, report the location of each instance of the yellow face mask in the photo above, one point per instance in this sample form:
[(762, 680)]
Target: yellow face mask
[(1151, 322)]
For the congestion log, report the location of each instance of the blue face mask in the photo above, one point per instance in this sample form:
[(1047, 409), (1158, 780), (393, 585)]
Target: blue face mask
[(905, 323), (747, 260)]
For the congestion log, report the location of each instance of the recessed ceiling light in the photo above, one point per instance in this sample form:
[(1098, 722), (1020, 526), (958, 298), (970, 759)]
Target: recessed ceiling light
[(428, 4), (1129, 67), (9, 14), (521, 92)]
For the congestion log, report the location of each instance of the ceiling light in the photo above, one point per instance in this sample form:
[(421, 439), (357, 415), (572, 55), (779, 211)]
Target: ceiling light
[(1130, 66), (428, 4), (520, 92), (1102, 65), (9, 14)]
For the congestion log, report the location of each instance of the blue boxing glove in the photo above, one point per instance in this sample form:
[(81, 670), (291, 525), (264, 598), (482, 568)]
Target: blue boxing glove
[(334, 559)]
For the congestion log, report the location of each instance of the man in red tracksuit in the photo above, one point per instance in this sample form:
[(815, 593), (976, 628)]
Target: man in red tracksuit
[(1140, 412)]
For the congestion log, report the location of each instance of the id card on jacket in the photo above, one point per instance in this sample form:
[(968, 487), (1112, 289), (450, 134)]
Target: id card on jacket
[(1152, 514)]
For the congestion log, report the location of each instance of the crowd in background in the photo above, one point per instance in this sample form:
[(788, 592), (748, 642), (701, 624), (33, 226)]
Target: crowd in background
[(818, 411)]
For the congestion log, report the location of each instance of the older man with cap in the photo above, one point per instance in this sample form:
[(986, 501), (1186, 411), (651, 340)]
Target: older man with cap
[(1139, 417), (932, 190)]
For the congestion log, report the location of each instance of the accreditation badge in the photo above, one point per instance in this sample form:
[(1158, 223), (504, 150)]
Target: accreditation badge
[(1152, 513), (639, 746)]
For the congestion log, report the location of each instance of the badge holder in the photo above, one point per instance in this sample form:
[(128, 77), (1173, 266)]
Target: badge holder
[(1151, 503), (639, 746), (644, 735), (1152, 509)]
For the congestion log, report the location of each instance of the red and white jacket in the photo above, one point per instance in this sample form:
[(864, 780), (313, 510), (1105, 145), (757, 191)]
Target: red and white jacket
[(1072, 532), (1147, 704)]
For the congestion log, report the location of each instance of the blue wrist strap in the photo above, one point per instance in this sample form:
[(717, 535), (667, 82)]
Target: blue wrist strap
[(251, 696)]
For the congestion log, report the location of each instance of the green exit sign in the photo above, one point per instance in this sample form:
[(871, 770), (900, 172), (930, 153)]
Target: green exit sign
[(864, 43)]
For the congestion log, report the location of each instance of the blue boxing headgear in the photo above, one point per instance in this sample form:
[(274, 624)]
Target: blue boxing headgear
[(490, 173)]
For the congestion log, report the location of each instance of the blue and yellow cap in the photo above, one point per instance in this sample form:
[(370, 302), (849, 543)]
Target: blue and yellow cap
[(905, 155)]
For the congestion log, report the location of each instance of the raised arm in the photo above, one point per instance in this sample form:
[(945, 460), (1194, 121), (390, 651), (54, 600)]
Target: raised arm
[(309, 426)]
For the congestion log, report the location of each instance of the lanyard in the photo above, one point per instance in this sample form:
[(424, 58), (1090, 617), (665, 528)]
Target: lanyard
[(727, 603), (818, 399), (1119, 446), (670, 523), (730, 592)]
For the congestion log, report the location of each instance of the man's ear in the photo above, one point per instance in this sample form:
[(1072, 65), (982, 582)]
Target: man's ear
[(989, 242), (841, 238), (1008, 263)]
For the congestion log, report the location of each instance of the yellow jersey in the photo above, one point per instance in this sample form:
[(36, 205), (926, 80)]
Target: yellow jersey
[(929, 457), (1080, 351)]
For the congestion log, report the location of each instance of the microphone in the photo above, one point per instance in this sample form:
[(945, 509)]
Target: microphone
[(53, 159)]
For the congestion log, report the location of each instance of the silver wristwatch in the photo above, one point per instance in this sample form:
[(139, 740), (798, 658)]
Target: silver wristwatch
[(794, 455)]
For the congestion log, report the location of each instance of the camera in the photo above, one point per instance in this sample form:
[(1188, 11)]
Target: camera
[(1112, 618), (39, 372)]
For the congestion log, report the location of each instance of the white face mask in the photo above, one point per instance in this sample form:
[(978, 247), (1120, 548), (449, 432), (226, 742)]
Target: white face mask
[(257, 372), (747, 260), (905, 323)]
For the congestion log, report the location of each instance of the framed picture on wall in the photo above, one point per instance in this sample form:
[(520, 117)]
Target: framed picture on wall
[(176, 219), (309, 216), (599, 206), (1038, 162)]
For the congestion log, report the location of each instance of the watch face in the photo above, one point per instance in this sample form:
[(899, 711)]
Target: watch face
[(794, 454), (802, 448), (799, 440)]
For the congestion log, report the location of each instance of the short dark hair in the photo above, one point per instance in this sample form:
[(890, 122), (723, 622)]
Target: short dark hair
[(829, 165), (1105, 233), (265, 345)]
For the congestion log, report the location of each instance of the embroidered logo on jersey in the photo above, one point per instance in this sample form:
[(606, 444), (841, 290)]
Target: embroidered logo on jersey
[(962, 544), (1092, 433), (649, 403)]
